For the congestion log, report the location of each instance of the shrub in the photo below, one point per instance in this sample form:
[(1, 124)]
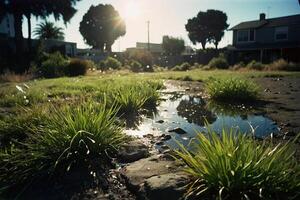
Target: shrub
[(235, 166), (218, 62), (109, 63), (112, 63), (158, 68), (54, 65), (197, 66), (77, 67), (72, 137), (232, 89), (135, 66), (255, 65), (9, 76), (238, 66), (183, 67), (281, 64)]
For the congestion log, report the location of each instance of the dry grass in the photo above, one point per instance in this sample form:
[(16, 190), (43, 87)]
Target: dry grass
[(281, 64), (9, 76)]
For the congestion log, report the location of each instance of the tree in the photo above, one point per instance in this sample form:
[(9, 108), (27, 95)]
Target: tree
[(198, 29), (172, 45), (101, 26), (217, 26), (207, 27), (40, 8), (47, 30)]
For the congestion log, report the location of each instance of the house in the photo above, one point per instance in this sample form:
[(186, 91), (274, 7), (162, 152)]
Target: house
[(7, 26), (157, 49), (267, 40), (7, 43)]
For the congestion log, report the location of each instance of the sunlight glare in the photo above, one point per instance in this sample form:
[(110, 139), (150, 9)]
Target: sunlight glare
[(132, 10)]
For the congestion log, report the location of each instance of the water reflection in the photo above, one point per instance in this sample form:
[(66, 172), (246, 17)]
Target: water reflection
[(189, 113), (194, 110)]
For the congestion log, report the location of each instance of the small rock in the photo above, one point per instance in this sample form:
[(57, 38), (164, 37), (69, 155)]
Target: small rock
[(137, 172), (178, 130), (160, 121), (267, 90), (133, 151), (166, 137), (166, 186)]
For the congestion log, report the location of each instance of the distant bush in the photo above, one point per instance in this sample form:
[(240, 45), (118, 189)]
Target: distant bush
[(135, 66), (183, 67), (10, 76), (78, 67), (197, 66), (281, 64), (158, 68), (255, 65), (112, 63), (233, 89), (144, 57), (54, 65), (238, 66), (109, 63), (218, 62)]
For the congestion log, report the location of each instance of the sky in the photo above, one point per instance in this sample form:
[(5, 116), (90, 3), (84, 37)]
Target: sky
[(168, 17)]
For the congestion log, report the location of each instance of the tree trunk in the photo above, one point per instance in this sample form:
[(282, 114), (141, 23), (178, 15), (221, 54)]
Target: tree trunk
[(216, 44), (203, 45), (99, 47), (108, 48), (18, 41), (28, 16)]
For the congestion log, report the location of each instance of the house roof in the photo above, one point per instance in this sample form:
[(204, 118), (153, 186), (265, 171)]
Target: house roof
[(279, 21)]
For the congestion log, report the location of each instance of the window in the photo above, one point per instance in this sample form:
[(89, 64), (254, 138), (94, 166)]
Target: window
[(243, 36), (281, 33), (246, 35), (251, 35)]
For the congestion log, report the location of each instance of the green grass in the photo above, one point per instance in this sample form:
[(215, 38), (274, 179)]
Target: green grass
[(235, 166), (233, 89), (71, 136)]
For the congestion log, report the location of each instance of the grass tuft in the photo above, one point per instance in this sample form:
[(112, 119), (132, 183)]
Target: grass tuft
[(232, 89), (235, 166), (71, 136)]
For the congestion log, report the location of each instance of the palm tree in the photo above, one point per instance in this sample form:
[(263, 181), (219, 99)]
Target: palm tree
[(47, 30), (60, 9)]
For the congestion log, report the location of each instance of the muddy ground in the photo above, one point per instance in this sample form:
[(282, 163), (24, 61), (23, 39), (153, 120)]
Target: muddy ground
[(280, 100)]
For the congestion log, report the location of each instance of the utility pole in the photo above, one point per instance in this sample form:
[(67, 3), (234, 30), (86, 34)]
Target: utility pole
[(148, 27)]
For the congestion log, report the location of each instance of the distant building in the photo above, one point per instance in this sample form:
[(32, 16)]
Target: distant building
[(66, 48), (154, 48), (267, 39), (91, 54), (157, 48), (7, 26)]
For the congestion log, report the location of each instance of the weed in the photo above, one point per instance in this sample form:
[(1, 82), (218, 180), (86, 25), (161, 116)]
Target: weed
[(232, 89), (235, 166), (73, 136)]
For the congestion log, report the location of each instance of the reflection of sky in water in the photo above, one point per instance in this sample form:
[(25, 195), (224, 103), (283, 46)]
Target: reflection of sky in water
[(189, 114)]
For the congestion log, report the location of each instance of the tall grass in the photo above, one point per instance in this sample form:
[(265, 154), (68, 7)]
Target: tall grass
[(9, 76), (232, 89), (235, 166), (72, 136)]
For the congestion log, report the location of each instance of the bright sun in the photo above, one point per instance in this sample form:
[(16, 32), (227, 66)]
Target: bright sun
[(132, 10)]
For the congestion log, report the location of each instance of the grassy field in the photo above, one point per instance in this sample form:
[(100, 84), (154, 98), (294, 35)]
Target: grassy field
[(48, 126)]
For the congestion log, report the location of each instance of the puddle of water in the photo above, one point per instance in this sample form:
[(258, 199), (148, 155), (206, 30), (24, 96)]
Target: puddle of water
[(191, 113)]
